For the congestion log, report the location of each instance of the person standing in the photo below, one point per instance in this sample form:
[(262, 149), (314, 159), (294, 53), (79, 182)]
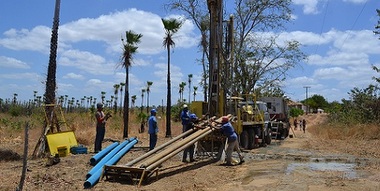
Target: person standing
[(185, 117), (295, 123), (304, 125), (153, 129), (190, 150), (233, 144), (100, 127)]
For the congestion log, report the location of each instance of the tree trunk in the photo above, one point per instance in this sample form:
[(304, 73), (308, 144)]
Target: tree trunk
[(126, 103), (168, 100)]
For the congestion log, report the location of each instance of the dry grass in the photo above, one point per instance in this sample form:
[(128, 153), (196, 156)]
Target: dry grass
[(83, 125), (359, 140)]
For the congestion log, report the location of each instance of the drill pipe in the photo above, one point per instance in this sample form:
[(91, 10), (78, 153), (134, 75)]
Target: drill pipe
[(173, 147), (178, 149), (142, 157)]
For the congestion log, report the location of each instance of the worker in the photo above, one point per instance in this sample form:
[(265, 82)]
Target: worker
[(153, 129), (100, 126), (232, 141), (185, 117), (190, 150), (304, 125)]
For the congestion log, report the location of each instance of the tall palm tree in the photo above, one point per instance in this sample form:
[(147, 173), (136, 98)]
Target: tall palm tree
[(142, 99), (171, 27), (50, 82), (129, 49), (181, 90), (122, 84), (195, 91), (116, 93), (149, 83), (190, 77), (134, 97), (103, 96)]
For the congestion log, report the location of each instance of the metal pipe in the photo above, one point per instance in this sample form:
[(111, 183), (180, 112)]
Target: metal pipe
[(191, 141), (173, 147), (142, 157), (96, 158), (92, 180), (106, 158)]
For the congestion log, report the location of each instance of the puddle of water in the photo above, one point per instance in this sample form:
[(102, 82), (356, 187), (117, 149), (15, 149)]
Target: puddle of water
[(348, 169)]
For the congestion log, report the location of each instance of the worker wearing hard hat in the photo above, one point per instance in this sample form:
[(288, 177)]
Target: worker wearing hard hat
[(185, 117), (190, 150), (153, 129), (232, 141)]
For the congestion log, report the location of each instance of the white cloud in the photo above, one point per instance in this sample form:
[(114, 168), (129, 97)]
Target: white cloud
[(112, 27), (73, 76), (309, 6), (87, 62), (7, 62), (355, 1), (108, 29), (22, 76)]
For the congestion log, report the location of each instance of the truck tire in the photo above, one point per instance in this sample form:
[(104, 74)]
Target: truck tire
[(251, 138), (244, 139), (268, 139)]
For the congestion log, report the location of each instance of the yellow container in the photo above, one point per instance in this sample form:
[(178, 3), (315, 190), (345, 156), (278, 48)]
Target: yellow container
[(62, 151)]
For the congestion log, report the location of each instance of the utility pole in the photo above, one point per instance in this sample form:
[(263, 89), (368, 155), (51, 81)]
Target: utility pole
[(307, 96)]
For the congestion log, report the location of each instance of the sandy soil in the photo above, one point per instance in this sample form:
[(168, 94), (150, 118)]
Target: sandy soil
[(299, 163)]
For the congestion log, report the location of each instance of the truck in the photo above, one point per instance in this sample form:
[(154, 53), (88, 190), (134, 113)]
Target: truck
[(252, 122), (279, 116)]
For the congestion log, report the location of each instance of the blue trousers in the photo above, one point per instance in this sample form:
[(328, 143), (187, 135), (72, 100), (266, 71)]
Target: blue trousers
[(152, 140), (100, 132)]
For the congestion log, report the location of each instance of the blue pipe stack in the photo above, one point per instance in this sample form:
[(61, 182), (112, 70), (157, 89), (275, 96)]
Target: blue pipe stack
[(111, 158), (96, 158)]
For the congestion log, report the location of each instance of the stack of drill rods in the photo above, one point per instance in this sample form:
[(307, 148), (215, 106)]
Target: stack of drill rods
[(142, 157), (172, 148), (178, 148)]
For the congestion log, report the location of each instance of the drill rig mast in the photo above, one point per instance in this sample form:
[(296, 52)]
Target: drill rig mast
[(218, 59)]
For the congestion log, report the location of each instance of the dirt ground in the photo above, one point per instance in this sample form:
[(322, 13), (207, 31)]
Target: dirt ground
[(300, 163)]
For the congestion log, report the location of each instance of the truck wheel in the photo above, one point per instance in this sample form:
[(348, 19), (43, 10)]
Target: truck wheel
[(268, 139), (244, 139), (251, 138)]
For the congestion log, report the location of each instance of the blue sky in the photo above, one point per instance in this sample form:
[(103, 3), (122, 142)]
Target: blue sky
[(336, 35)]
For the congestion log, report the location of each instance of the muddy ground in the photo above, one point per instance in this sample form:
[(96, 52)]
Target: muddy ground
[(300, 163)]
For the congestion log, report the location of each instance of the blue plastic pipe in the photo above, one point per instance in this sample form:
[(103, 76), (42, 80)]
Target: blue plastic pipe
[(96, 158), (121, 153), (106, 158), (92, 180)]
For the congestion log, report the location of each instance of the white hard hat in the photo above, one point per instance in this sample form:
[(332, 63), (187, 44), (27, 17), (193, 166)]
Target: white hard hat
[(185, 106)]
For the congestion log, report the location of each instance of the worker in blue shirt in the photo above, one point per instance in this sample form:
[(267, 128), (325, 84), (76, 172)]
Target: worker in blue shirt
[(153, 129), (190, 150), (185, 117), (232, 140)]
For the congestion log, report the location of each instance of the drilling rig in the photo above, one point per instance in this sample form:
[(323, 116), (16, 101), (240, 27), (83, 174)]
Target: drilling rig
[(251, 123)]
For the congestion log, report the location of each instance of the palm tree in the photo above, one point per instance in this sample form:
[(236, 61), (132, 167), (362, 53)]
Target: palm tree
[(121, 95), (195, 91), (171, 27), (129, 48), (181, 90), (50, 82), (149, 83), (134, 97), (190, 77), (116, 92), (142, 99), (103, 96)]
